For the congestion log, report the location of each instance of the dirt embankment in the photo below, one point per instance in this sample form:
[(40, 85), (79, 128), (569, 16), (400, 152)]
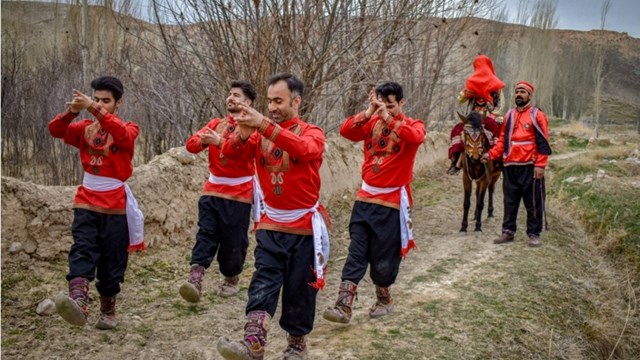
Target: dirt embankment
[(36, 220)]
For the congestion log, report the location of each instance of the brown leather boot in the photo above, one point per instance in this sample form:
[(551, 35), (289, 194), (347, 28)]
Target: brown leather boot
[(384, 305), (107, 319), (255, 339), (229, 286), (504, 238), (192, 289), (341, 312), (296, 348), (534, 241), (73, 308)]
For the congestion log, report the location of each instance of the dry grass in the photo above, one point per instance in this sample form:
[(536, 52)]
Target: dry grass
[(457, 297)]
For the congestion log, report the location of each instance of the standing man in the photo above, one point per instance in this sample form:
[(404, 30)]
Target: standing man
[(107, 221), (524, 146), (482, 94), (292, 250), (225, 204), (380, 225)]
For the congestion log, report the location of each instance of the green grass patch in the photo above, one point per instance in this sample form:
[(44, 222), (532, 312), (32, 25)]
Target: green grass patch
[(608, 207), (187, 310), (577, 143)]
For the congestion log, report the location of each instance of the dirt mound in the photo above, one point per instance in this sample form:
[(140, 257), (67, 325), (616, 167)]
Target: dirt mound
[(36, 220)]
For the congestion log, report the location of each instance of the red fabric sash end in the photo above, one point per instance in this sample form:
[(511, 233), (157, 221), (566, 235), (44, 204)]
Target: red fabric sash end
[(138, 247), (318, 284), (410, 246)]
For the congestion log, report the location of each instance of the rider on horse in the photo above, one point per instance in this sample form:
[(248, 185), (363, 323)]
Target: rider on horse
[(481, 93)]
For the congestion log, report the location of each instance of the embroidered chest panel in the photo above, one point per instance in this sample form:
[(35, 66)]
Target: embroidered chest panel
[(225, 128), (275, 159), (97, 141), (384, 141)]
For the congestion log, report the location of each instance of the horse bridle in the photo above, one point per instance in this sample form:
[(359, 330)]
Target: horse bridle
[(482, 139)]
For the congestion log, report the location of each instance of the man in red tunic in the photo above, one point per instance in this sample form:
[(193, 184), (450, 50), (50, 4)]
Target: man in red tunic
[(380, 225), (482, 93), (225, 205), (292, 239), (524, 147), (107, 221)]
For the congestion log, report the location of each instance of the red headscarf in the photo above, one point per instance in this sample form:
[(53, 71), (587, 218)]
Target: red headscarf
[(483, 81)]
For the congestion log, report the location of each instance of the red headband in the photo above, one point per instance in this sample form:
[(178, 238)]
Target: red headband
[(525, 85)]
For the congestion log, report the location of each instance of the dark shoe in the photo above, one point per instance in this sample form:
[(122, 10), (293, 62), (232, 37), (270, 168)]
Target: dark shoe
[(296, 348), (504, 238), (107, 319), (73, 308), (191, 290), (454, 169), (255, 339), (341, 311), (229, 286), (384, 305), (534, 241)]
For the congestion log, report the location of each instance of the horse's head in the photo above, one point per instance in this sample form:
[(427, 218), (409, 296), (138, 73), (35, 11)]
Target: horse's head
[(475, 140)]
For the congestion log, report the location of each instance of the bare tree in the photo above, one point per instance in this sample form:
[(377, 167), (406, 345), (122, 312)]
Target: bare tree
[(597, 103)]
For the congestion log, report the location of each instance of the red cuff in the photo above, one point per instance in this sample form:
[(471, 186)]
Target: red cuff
[(97, 110), (68, 116)]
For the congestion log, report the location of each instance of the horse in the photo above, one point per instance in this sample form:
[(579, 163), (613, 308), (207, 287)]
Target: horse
[(485, 175)]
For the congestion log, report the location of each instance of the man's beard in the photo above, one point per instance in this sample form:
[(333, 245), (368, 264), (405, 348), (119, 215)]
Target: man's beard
[(521, 102)]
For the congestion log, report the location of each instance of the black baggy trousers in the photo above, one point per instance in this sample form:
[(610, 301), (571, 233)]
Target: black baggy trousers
[(100, 243), (284, 261), (518, 184)]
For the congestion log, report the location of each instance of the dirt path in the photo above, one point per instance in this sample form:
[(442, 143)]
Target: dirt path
[(156, 323)]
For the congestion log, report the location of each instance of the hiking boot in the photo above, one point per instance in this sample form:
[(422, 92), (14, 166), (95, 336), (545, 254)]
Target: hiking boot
[(255, 339), (229, 286), (296, 348), (504, 238), (454, 169), (73, 308), (341, 312), (534, 241), (107, 320), (191, 289), (384, 304)]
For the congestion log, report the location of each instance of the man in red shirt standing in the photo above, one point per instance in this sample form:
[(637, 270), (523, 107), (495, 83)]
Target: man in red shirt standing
[(107, 221), (380, 225), (225, 205), (524, 147), (293, 244)]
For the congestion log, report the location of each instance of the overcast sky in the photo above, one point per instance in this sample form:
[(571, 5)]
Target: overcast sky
[(623, 15)]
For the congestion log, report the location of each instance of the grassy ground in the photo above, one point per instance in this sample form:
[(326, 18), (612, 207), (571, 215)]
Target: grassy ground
[(458, 296)]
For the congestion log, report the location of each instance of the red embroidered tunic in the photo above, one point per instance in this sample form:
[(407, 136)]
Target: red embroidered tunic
[(288, 157), (389, 153), (522, 138), (220, 165), (106, 149)]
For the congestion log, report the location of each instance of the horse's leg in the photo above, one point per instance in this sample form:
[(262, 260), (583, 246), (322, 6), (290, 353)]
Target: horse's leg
[(481, 189), (467, 201), (492, 187)]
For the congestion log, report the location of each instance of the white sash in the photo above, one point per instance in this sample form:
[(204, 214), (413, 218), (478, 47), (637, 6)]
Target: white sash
[(406, 231), (229, 181), (135, 218), (320, 232)]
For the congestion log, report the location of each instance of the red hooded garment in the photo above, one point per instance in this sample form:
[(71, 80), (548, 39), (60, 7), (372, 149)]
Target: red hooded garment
[(483, 81)]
